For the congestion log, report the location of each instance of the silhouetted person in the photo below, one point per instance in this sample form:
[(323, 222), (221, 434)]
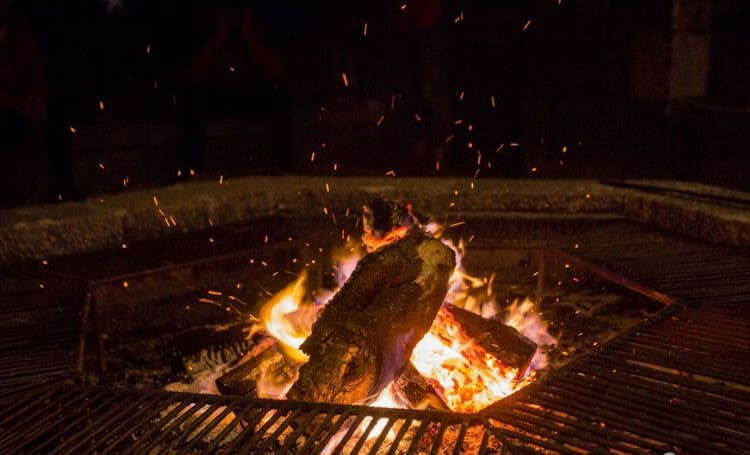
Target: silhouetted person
[(235, 72), (23, 110)]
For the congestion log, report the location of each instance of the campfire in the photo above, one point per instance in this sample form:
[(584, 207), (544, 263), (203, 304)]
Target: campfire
[(405, 327)]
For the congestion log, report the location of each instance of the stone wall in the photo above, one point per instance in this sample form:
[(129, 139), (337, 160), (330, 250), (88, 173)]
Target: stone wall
[(49, 230)]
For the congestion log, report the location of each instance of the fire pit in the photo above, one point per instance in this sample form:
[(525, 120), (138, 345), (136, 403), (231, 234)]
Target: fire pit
[(608, 304), (387, 228)]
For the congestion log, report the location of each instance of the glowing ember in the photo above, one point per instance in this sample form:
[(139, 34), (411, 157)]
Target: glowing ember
[(466, 376), (466, 381), (387, 399), (373, 242)]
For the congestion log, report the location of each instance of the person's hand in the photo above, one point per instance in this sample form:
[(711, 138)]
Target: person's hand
[(34, 109)]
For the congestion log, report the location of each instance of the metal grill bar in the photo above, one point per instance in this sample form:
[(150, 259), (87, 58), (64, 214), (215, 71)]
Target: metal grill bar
[(679, 269), (36, 341), (82, 419), (402, 431), (333, 431), (677, 383), (641, 394)]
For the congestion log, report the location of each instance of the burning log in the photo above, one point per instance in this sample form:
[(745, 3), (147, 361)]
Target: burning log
[(365, 335), (500, 341), (265, 373), (385, 221), (471, 361), (416, 391)]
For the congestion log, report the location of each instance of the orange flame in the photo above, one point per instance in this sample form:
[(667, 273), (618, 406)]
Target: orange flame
[(466, 376), (373, 242), (467, 383), (281, 318)]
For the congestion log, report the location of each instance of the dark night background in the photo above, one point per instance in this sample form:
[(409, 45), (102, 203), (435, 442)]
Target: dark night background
[(104, 96)]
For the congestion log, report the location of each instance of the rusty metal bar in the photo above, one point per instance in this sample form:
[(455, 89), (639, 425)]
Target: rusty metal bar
[(400, 436), (314, 436), (613, 277), (540, 278), (383, 434), (84, 327)]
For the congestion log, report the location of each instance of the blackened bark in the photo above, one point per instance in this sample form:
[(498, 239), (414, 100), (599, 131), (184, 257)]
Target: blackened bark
[(416, 391), (366, 334), (265, 370)]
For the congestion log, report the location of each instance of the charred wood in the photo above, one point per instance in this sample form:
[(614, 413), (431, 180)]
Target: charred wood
[(263, 373), (416, 391), (365, 335), (500, 341)]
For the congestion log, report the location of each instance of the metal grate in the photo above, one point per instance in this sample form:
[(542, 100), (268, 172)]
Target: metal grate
[(36, 335), (706, 274), (89, 420), (40, 343), (678, 385)]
